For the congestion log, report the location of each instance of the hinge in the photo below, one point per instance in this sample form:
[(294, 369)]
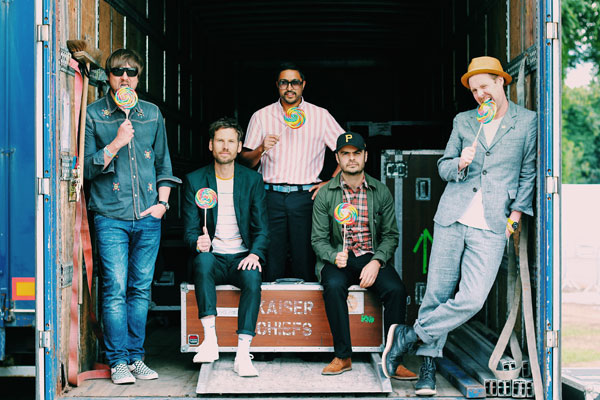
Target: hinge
[(552, 183), (551, 30), (44, 339), (552, 339), (43, 33), (43, 186)]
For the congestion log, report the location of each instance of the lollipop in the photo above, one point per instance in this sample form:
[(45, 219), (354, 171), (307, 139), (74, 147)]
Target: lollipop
[(485, 114), (126, 98), (294, 118), (206, 198), (344, 214)]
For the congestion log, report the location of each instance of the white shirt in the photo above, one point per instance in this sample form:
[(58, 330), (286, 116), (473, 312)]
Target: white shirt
[(227, 238), (298, 156), (474, 215)]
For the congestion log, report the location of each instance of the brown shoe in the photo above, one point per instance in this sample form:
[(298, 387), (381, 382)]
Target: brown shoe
[(404, 374), (337, 366)]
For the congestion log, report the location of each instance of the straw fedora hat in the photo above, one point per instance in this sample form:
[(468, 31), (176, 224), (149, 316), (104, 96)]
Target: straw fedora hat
[(485, 65)]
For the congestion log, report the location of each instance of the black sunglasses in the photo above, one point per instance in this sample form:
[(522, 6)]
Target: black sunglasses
[(131, 72)]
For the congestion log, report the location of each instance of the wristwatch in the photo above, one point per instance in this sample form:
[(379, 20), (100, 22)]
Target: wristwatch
[(514, 225), (164, 203)]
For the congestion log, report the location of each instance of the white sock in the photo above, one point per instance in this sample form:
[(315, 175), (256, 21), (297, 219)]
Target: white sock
[(243, 348), (208, 324)]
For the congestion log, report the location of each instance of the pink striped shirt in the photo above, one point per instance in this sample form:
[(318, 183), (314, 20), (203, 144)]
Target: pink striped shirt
[(298, 156)]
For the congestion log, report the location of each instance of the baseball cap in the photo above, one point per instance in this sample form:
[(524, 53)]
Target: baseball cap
[(350, 139)]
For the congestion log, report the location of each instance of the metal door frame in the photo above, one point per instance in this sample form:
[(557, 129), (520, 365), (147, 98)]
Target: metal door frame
[(548, 219)]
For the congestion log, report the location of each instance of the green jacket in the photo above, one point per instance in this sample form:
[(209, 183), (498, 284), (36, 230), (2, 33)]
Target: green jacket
[(249, 203), (327, 234)]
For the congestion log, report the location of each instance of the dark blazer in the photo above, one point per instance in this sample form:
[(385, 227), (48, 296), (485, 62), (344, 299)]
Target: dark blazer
[(249, 203)]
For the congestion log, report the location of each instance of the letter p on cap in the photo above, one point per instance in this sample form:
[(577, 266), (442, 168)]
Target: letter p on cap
[(348, 137)]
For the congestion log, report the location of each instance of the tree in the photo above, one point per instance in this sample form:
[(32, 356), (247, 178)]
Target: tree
[(581, 134), (580, 33)]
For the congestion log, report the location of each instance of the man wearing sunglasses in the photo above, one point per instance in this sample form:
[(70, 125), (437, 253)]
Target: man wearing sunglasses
[(291, 159), (128, 164)]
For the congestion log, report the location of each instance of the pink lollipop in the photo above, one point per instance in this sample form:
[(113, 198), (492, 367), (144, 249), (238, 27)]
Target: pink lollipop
[(206, 198), (345, 214)]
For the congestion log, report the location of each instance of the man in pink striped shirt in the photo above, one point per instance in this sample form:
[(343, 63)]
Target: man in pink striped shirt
[(291, 157)]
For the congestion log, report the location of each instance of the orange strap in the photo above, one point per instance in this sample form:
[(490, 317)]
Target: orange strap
[(82, 237)]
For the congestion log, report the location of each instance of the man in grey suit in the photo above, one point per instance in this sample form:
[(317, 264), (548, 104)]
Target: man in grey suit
[(490, 184)]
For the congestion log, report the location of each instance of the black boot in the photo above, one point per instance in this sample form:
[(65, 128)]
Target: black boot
[(401, 340), (426, 384)]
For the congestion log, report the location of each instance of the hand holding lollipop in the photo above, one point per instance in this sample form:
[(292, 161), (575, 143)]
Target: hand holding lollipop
[(345, 214), (294, 118), (206, 198), (485, 114)]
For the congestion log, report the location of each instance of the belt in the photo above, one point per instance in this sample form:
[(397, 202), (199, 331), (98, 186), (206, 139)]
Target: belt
[(287, 188)]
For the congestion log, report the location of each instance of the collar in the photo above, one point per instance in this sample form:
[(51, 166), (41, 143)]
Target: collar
[(336, 182), (299, 105), (363, 184)]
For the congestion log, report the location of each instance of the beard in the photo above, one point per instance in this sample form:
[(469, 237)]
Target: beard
[(357, 171)]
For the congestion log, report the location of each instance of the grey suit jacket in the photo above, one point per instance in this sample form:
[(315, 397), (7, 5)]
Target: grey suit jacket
[(505, 170)]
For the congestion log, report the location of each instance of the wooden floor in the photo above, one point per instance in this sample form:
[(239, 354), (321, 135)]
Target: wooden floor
[(178, 376)]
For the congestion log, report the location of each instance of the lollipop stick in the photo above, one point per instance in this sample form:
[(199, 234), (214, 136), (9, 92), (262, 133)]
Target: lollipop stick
[(344, 239), (205, 217), (477, 137)]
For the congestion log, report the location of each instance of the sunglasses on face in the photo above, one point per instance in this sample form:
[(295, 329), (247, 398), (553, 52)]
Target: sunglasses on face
[(131, 72), (284, 83)]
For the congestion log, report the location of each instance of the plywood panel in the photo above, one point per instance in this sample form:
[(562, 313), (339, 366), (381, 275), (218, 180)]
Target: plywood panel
[(290, 318), (104, 31), (117, 30)]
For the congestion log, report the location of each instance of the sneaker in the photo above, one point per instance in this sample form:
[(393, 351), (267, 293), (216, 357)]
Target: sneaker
[(401, 339), (404, 374), (425, 386), (242, 365), (121, 374), (141, 371), (207, 352), (337, 366)]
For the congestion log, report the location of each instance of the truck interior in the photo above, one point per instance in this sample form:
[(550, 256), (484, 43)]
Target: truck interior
[(389, 70)]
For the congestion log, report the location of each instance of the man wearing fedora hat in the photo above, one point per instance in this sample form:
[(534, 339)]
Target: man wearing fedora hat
[(490, 184), (362, 256)]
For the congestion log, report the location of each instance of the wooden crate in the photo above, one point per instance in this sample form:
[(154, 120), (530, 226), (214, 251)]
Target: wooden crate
[(291, 318)]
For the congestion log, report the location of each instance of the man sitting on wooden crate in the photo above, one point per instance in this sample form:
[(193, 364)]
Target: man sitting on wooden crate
[(230, 244), (365, 257), (491, 181)]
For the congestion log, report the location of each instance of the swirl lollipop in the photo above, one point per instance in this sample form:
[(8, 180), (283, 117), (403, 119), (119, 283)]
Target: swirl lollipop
[(126, 98), (485, 114), (345, 214), (206, 198), (294, 118)]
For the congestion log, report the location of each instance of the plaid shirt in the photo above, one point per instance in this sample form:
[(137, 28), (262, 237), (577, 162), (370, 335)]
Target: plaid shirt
[(358, 235)]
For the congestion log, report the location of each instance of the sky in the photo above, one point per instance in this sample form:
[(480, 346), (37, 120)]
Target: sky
[(579, 76)]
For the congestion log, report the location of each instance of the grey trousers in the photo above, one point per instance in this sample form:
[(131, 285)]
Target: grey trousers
[(460, 255)]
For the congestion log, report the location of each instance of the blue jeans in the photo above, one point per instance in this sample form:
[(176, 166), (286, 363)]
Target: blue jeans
[(128, 252), (460, 255)]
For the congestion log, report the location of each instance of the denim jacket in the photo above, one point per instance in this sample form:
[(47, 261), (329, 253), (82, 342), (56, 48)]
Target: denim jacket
[(130, 182)]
